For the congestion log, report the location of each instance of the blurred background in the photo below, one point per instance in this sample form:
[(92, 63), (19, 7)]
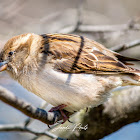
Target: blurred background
[(65, 16)]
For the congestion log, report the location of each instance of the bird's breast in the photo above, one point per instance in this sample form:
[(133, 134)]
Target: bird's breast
[(74, 90)]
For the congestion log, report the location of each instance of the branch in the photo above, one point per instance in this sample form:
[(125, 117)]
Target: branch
[(29, 120), (131, 25), (79, 14), (28, 109), (31, 111), (122, 109), (126, 46), (21, 128), (107, 28)]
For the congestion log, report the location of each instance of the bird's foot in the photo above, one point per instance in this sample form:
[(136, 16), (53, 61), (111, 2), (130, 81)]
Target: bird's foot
[(61, 109)]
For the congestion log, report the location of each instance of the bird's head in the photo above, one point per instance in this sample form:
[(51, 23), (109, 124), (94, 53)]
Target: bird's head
[(18, 52)]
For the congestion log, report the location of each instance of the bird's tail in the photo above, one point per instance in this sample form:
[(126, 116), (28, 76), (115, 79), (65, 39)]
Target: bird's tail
[(131, 79), (133, 75)]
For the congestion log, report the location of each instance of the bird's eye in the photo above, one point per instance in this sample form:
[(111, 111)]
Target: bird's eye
[(11, 53)]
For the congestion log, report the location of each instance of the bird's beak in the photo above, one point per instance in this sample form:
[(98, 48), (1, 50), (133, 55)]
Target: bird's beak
[(3, 66)]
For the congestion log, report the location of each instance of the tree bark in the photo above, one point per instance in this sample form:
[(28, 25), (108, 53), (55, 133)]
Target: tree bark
[(122, 109)]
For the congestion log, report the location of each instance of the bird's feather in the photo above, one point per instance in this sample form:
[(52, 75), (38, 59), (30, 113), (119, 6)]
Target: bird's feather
[(77, 54)]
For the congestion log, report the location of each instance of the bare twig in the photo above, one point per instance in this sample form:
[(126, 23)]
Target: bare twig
[(131, 25), (21, 128), (30, 120), (28, 109), (75, 27), (126, 46), (100, 28), (107, 28), (79, 14)]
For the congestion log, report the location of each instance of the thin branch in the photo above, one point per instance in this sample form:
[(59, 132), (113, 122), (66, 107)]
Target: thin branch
[(21, 128), (75, 27), (79, 14), (133, 25), (107, 28), (28, 109), (29, 120), (126, 46)]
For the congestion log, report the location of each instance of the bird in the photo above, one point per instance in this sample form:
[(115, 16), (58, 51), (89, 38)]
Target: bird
[(71, 72)]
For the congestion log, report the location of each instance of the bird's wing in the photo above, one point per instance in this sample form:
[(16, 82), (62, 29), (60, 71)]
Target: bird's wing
[(76, 54)]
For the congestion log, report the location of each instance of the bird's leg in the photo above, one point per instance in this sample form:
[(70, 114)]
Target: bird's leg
[(60, 108)]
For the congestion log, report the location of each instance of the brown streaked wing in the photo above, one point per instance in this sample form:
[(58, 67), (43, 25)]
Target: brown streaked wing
[(92, 63), (66, 48)]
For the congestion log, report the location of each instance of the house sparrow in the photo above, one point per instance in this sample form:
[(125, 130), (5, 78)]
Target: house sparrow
[(70, 72)]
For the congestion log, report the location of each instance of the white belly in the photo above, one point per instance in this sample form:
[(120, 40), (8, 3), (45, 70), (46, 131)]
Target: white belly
[(81, 91)]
